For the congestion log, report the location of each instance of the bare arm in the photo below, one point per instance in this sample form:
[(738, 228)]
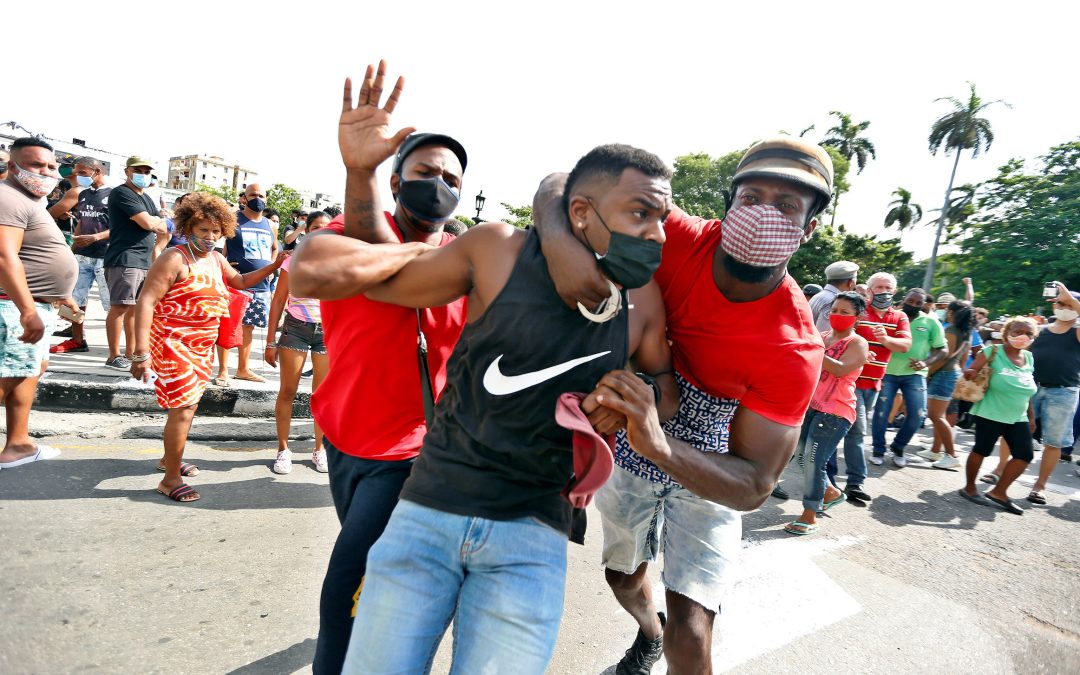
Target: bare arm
[(895, 344), (150, 223), (249, 279), (160, 278), (13, 280), (741, 479), (328, 266), (277, 308), (853, 358), (62, 208), (160, 244), (969, 290), (571, 266), (292, 234)]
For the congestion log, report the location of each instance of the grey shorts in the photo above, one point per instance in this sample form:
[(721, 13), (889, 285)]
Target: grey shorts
[(125, 284), (700, 539), (301, 336)]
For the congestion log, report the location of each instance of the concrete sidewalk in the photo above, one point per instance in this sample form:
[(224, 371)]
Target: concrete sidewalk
[(81, 381)]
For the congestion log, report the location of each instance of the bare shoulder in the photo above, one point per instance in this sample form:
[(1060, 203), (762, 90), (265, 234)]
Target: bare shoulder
[(647, 300), (491, 237)]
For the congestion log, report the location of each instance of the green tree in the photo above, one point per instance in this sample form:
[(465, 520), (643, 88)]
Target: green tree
[(465, 220), (961, 207), (903, 213), (1025, 232), (847, 138), (520, 216), (829, 244), (960, 129), (283, 199), (225, 192), (700, 182)]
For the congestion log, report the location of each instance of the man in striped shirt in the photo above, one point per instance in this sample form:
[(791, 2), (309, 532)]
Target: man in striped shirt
[(887, 331)]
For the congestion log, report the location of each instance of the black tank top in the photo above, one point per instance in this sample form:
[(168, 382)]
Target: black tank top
[(1057, 358), (494, 450)]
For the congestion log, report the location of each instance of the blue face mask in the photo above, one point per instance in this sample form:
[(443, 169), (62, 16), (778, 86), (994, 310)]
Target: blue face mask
[(140, 180), (84, 181)]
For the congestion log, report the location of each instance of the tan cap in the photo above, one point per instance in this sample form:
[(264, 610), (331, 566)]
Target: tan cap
[(945, 298), (135, 160), (841, 271), (789, 158)]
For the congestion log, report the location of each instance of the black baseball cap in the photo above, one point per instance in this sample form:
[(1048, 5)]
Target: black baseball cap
[(415, 141)]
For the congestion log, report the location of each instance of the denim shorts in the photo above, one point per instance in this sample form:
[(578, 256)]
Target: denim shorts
[(1054, 410), (941, 384), (699, 538), (301, 336), (18, 358)]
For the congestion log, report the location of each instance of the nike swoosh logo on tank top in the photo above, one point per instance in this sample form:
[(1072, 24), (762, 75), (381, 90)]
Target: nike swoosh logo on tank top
[(498, 384)]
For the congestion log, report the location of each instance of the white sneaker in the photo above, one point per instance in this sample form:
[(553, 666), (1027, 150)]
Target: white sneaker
[(947, 462), (899, 460), (930, 455), (319, 460), (283, 463), (876, 461)]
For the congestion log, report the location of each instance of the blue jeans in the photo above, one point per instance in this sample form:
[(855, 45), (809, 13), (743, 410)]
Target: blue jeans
[(90, 269), (854, 454), (821, 433), (501, 581), (913, 387), (1054, 410)]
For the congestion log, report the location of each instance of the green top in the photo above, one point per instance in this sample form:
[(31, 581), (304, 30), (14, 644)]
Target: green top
[(1011, 387), (926, 335)]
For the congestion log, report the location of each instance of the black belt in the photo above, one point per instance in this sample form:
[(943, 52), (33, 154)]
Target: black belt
[(1051, 386)]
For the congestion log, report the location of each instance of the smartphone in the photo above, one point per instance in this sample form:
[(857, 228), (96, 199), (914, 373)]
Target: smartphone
[(71, 315), (1050, 290)]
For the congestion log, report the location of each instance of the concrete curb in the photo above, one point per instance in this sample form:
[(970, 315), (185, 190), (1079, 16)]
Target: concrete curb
[(104, 393)]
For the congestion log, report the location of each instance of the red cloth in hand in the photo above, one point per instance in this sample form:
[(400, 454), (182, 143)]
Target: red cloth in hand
[(594, 456)]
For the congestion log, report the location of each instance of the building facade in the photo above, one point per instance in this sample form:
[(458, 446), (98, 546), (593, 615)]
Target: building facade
[(186, 173)]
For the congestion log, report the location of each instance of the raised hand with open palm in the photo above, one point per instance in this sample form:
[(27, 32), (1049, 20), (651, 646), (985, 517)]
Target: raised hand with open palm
[(364, 135)]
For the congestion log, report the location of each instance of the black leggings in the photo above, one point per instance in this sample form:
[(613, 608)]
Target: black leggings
[(1017, 435), (365, 493)]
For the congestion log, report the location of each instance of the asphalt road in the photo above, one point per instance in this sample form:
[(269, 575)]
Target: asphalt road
[(102, 574)]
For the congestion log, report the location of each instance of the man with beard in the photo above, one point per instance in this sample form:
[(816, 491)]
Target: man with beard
[(747, 358)]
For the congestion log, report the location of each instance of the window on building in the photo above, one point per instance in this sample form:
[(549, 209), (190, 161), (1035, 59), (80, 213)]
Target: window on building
[(204, 177)]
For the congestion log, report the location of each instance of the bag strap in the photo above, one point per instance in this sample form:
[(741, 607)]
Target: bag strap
[(426, 390)]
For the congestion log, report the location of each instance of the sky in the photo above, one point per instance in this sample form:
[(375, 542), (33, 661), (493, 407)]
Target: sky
[(530, 87)]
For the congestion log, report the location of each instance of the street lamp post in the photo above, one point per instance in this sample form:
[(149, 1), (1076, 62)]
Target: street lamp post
[(480, 199)]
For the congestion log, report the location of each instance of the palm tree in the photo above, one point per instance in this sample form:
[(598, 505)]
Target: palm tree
[(903, 212), (961, 206), (959, 130), (846, 138)]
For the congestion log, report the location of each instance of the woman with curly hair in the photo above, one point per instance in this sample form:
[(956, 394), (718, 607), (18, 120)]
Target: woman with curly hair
[(1004, 412), (959, 322), (176, 324)]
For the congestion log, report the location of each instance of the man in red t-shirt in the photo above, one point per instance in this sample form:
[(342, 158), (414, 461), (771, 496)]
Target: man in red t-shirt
[(371, 406), (747, 358), (887, 331)]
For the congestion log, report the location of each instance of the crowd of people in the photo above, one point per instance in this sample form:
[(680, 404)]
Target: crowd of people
[(474, 394)]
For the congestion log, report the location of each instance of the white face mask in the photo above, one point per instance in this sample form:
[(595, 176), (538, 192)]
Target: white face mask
[(996, 335), (1067, 315)]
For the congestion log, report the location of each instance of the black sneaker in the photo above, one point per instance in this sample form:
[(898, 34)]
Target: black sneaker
[(63, 333), (856, 492), (307, 373), (641, 656), (780, 493)]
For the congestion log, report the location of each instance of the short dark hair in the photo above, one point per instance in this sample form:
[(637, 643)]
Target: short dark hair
[(610, 161), (316, 214), (920, 291), (855, 299), (332, 211), (270, 213), (30, 142), (89, 161)]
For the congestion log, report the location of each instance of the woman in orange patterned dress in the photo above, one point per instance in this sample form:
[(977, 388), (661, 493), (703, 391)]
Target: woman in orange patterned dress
[(176, 324)]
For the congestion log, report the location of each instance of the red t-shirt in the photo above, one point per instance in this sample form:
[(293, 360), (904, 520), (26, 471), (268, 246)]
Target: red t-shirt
[(896, 325), (371, 405), (765, 353)]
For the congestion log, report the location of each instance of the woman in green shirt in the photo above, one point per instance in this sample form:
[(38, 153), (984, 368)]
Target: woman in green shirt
[(1004, 412)]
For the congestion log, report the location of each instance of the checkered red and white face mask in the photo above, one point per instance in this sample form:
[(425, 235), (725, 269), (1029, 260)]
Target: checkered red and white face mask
[(760, 235)]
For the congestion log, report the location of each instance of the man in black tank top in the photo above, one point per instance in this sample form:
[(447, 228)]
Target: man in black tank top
[(479, 536)]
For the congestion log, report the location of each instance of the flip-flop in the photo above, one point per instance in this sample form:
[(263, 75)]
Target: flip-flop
[(254, 378), (800, 529), (220, 382), (833, 502), (178, 493), (1036, 497), (43, 452), (976, 498), (186, 470), (1006, 505), (990, 478)]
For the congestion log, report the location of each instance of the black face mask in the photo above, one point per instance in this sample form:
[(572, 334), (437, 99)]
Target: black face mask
[(429, 199), (911, 311), (882, 300), (629, 261)]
